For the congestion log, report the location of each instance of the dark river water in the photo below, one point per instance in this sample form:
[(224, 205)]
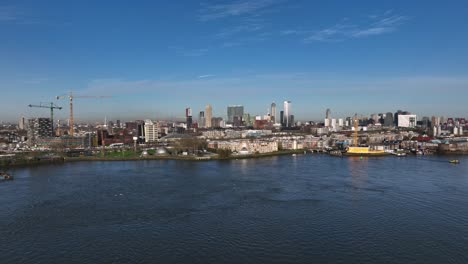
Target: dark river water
[(303, 209)]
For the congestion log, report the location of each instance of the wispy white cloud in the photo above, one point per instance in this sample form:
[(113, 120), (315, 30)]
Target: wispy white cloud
[(375, 25), (245, 25), (35, 80), (9, 14), (245, 20), (188, 52), (206, 76), (390, 21), (299, 83), (231, 44), (303, 88), (337, 32), (386, 23), (194, 52), (238, 8), (293, 32), (15, 15), (371, 31)]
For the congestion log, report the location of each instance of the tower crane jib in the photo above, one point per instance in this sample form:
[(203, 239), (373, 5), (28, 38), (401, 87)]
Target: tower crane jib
[(70, 98)]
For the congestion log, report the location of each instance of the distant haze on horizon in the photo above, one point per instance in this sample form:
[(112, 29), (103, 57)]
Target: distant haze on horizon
[(155, 58)]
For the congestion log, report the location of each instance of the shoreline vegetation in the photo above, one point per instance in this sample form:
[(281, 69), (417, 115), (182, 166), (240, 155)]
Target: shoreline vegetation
[(24, 161), (125, 156)]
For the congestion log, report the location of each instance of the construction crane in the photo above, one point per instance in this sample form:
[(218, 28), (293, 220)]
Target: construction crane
[(356, 127), (51, 106), (70, 97), (356, 120)]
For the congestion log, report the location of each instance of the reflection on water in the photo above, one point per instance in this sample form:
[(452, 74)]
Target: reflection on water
[(358, 169), (290, 209)]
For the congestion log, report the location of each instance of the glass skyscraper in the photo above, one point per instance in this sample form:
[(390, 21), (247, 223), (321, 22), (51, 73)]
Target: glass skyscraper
[(287, 114), (235, 112)]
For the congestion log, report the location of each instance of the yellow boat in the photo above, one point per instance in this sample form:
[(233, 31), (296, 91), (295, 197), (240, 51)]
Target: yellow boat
[(454, 161), (365, 151)]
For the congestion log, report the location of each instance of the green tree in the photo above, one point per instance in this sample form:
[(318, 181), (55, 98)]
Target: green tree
[(224, 153)]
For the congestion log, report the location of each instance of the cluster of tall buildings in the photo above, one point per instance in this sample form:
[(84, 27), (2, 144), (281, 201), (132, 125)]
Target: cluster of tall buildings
[(398, 119), (188, 117), (205, 118), (402, 119), (286, 116), (237, 117), (235, 114)]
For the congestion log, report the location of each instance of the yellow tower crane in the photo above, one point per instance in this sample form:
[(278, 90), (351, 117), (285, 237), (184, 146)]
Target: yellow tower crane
[(71, 97)]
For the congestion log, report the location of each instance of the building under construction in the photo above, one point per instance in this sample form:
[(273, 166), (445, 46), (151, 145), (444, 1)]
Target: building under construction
[(39, 128)]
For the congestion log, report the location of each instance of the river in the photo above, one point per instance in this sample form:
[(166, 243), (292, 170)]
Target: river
[(305, 209)]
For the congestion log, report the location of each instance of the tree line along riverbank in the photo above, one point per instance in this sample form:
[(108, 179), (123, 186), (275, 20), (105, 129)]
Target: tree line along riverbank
[(33, 159), (25, 160)]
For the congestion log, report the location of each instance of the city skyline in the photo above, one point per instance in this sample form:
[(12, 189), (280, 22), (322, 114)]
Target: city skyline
[(64, 117), (157, 59)]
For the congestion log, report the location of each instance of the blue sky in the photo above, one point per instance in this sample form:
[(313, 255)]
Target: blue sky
[(157, 57)]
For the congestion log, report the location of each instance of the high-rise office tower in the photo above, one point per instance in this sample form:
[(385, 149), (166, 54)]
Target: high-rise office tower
[(435, 121), (208, 116), (246, 119), (140, 131), (395, 117), (234, 111), (151, 131), (426, 122), (22, 123), (287, 114), (201, 120), (328, 117), (442, 120), (388, 122), (217, 121), (375, 118), (282, 118), (273, 112), (188, 117)]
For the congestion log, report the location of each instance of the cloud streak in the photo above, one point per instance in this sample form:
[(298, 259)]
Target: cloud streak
[(304, 89), (247, 7), (245, 21), (9, 14), (205, 76), (300, 83), (246, 25), (186, 52), (374, 26)]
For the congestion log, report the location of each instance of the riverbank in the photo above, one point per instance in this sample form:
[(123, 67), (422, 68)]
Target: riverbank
[(184, 157), (34, 161), (30, 161)]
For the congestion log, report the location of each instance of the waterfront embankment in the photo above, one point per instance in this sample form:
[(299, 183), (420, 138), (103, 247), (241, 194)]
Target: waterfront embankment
[(34, 160), (129, 156)]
